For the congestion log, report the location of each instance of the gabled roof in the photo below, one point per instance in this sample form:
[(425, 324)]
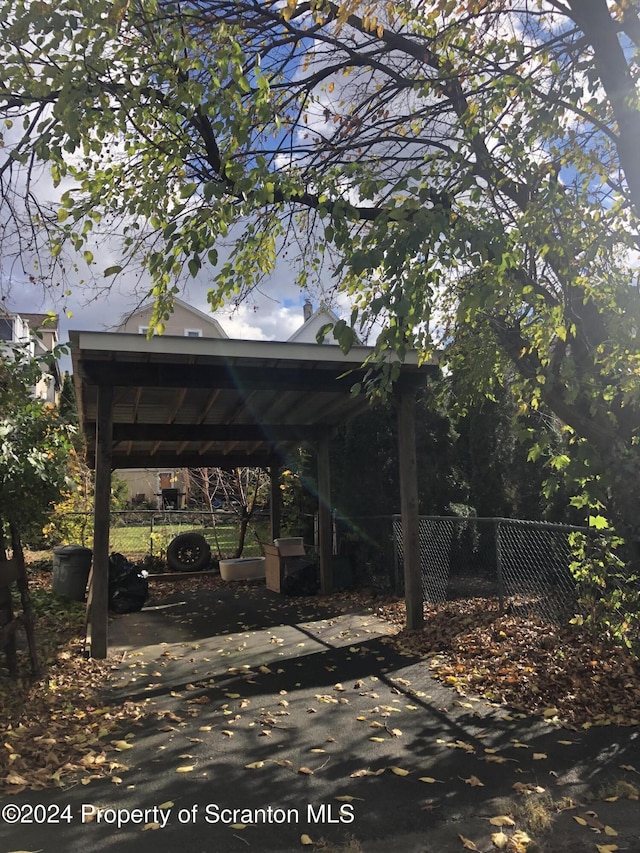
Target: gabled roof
[(48, 322), (200, 315), (314, 323)]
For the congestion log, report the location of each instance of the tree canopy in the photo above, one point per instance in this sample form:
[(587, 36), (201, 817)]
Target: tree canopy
[(467, 170)]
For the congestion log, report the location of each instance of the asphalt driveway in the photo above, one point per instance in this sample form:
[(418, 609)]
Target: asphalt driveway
[(273, 723)]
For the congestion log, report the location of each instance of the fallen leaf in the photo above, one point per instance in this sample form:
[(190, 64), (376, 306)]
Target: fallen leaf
[(607, 848), (500, 840), (304, 839), (399, 771), (467, 843), (538, 756), (306, 771), (474, 782), (502, 820), (187, 768), (255, 765)]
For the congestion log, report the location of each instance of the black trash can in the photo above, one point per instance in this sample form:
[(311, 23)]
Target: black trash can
[(71, 567)]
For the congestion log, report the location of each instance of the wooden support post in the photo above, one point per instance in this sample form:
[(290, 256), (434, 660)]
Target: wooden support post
[(325, 536), (409, 510), (98, 603), (276, 500)]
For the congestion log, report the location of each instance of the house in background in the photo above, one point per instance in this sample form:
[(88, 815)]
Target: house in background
[(313, 322), (185, 321), (169, 488), (38, 333)]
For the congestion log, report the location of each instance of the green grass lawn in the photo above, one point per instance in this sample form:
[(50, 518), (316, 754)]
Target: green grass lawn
[(134, 541)]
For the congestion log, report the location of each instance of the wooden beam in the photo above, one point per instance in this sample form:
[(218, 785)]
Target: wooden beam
[(202, 414), (234, 376), (98, 604), (275, 504), (325, 536), (158, 375), (190, 459), (182, 393), (409, 510), (217, 432)]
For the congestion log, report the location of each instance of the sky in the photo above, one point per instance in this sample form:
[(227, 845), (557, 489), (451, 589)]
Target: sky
[(274, 311)]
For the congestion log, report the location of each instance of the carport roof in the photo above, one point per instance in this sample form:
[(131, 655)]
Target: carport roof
[(191, 402)]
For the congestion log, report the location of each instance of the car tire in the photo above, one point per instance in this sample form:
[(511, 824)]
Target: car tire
[(188, 552)]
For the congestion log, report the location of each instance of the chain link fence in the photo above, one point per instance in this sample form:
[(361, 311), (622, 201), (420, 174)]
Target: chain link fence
[(523, 565), (138, 534)]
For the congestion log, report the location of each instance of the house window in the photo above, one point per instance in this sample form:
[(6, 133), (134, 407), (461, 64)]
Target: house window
[(193, 333), (6, 330), (143, 330)]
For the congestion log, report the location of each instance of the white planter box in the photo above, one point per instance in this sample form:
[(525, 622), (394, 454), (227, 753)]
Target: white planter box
[(242, 568)]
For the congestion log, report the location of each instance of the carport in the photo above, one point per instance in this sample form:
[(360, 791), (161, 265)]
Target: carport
[(195, 402)]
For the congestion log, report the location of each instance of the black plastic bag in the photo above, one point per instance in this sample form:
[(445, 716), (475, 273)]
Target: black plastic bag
[(128, 585), (300, 577)]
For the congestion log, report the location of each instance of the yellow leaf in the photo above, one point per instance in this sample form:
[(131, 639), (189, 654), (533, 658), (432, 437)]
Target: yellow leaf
[(579, 820), (500, 840), (187, 768), (121, 745), (467, 843), (238, 826), (304, 839), (255, 765), (502, 820), (538, 756), (168, 805), (607, 848), (227, 733), (15, 779), (429, 779), (347, 798), (609, 830), (150, 826), (377, 739), (474, 782), (399, 771), (306, 771)]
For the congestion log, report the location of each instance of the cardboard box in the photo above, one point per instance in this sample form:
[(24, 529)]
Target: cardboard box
[(272, 568)]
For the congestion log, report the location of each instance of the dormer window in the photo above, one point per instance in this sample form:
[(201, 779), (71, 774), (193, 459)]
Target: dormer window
[(143, 330), (193, 333)]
